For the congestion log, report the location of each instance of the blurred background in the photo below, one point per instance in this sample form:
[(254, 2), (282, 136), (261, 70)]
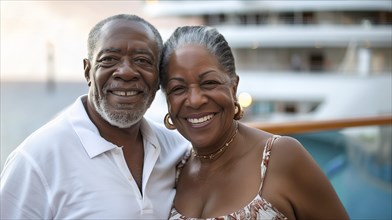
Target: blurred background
[(297, 61)]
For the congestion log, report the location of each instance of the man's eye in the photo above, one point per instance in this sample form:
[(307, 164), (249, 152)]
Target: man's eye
[(108, 60), (143, 61), (210, 82)]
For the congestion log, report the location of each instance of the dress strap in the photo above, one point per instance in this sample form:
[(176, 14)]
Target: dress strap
[(266, 157), (181, 165)]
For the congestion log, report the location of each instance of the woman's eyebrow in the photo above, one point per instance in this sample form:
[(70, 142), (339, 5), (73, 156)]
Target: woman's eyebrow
[(206, 73), (176, 79)]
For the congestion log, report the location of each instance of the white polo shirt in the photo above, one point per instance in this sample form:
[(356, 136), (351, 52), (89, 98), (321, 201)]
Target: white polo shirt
[(66, 170)]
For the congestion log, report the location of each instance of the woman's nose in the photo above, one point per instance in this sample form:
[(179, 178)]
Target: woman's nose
[(196, 97)]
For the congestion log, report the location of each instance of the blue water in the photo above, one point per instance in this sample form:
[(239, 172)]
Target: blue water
[(365, 196), (27, 106)]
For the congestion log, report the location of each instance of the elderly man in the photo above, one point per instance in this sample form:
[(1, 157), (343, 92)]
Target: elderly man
[(101, 159)]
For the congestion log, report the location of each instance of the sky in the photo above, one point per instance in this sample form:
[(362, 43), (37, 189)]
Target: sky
[(28, 27)]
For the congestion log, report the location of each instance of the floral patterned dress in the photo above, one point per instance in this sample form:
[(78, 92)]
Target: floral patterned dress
[(258, 208)]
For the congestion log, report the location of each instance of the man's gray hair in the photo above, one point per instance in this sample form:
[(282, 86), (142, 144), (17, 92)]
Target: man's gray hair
[(95, 32)]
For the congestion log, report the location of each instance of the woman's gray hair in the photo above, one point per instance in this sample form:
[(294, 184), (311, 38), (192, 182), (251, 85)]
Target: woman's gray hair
[(95, 32), (205, 36)]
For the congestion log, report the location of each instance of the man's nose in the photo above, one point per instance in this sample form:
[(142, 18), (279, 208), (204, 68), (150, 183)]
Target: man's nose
[(126, 71)]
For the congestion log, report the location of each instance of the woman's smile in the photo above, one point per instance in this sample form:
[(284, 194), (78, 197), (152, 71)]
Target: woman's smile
[(200, 121)]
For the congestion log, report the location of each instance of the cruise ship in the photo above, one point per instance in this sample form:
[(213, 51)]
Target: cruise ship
[(300, 59), (305, 60), (310, 61)]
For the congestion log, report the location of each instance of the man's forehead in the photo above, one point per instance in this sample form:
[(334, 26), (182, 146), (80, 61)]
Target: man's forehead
[(140, 32), (121, 24)]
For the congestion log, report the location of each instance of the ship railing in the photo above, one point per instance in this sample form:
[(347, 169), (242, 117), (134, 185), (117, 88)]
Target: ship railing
[(362, 142), (298, 127)]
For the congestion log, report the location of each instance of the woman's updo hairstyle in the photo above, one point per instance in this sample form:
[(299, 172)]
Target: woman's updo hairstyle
[(205, 36)]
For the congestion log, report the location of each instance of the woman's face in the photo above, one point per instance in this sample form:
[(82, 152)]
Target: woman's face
[(200, 96)]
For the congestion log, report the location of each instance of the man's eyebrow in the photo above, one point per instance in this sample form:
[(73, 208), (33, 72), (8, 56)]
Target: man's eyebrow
[(143, 51), (109, 50)]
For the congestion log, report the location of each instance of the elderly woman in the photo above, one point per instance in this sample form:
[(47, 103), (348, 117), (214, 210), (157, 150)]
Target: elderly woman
[(234, 171)]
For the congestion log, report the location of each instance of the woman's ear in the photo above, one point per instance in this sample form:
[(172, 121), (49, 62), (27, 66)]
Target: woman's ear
[(87, 67), (235, 86)]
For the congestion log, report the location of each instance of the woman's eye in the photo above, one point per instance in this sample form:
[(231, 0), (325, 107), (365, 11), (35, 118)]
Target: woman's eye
[(210, 84), (176, 90)]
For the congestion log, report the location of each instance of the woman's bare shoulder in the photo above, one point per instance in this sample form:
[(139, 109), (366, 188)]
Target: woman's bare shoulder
[(308, 188), (290, 151)]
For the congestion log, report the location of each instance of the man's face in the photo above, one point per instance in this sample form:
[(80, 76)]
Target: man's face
[(123, 73)]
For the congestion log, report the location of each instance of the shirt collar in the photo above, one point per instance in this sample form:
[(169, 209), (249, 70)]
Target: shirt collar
[(89, 135), (87, 132), (148, 133)]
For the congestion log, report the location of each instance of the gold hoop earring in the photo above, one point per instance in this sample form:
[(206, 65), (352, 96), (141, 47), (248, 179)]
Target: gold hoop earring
[(238, 111), (167, 122)]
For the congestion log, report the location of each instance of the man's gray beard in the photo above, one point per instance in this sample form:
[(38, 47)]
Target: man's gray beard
[(121, 118)]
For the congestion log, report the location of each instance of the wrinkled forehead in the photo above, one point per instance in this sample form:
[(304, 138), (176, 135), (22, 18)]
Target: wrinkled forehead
[(123, 26), (122, 32)]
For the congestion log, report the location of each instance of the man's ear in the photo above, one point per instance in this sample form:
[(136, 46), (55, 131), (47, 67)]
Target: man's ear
[(87, 67)]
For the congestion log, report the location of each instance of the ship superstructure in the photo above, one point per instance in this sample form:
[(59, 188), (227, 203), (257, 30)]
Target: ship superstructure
[(302, 59)]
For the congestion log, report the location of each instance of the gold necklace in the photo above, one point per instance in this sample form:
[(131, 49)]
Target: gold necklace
[(220, 150)]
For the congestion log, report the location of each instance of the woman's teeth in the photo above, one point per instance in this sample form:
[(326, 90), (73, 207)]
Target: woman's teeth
[(200, 120)]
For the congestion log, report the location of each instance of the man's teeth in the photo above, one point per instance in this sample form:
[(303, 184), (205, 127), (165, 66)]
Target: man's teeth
[(200, 120), (124, 93)]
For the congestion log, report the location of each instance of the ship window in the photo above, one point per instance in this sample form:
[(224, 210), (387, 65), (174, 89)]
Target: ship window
[(384, 18), (308, 18), (287, 18), (290, 108), (243, 19), (264, 107), (214, 19), (316, 61)]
